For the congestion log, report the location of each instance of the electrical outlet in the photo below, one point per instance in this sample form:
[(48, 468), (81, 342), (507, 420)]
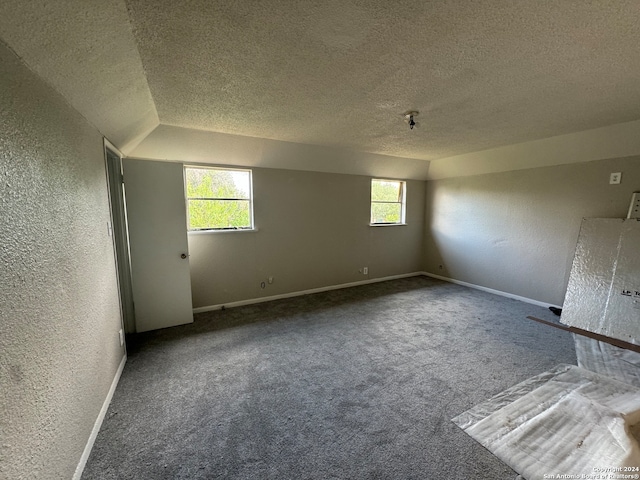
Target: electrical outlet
[(365, 270), (615, 178), (270, 280)]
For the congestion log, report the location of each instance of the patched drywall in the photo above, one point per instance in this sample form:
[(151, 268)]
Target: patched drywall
[(60, 315), (516, 231), (312, 231)]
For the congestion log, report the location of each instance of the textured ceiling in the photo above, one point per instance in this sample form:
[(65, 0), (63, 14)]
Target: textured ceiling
[(86, 51), (341, 72)]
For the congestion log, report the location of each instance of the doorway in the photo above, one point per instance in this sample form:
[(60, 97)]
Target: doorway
[(117, 200)]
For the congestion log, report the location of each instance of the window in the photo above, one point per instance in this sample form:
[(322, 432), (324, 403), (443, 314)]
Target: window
[(218, 198), (388, 202)]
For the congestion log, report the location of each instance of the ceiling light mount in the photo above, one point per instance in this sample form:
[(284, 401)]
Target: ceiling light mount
[(409, 118)]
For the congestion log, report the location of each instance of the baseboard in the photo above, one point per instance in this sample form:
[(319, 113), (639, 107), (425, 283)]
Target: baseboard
[(490, 290), (299, 293), (98, 423)]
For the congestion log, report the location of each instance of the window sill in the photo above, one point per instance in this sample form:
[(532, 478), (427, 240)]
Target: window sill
[(225, 230), (387, 224)]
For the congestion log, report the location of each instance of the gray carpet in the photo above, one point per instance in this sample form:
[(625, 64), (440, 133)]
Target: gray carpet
[(359, 383)]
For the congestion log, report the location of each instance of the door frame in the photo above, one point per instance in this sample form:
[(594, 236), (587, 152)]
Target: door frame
[(120, 233)]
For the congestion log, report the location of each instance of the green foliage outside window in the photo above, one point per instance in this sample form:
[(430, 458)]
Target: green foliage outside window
[(387, 201), (218, 198)]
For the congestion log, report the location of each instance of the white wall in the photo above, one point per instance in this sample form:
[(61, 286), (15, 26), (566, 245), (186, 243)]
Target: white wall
[(313, 231), (59, 311), (516, 231)]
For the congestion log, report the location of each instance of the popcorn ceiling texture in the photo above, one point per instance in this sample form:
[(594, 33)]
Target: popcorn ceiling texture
[(87, 52), (339, 73), (60, 315)]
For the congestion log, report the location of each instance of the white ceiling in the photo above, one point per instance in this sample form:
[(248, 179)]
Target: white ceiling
[(339, 73)]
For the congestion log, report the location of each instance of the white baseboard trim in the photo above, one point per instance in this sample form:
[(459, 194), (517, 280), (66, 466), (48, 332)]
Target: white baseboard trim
[(98, 423), (299, 293), (490, 290)]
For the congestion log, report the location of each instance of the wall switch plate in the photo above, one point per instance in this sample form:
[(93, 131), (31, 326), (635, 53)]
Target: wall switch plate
[(615, 178), (109, 229), (121, 335), (365, 271)]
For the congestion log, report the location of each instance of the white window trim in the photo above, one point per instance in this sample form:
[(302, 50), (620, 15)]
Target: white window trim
[(403, 220), (251, 228), (207, 231), (388, 224)]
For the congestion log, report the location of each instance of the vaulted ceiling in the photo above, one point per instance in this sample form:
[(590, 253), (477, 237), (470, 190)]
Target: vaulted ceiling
[(338, 73)]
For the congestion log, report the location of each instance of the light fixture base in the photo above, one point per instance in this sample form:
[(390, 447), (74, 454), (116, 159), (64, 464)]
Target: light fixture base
[(409, 117), (411, 113)]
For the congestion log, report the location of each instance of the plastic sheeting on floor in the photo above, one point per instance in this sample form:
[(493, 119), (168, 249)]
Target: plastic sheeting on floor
[(582, 421), (565, 423), (608, 360)]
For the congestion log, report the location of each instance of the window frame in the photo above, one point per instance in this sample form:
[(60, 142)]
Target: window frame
[(250, 228), (402, 202)]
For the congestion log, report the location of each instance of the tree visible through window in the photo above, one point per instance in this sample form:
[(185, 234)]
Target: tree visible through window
[(387, 202), (218, 198)]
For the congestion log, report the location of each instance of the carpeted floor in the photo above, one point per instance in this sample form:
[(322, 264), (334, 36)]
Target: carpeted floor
[(359, 383)]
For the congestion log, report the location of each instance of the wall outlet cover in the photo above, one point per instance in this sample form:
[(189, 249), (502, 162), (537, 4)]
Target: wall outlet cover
[(615, 178)]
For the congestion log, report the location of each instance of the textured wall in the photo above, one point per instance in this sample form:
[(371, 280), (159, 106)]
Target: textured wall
[(313, 231), (59, 310), (87, 52), (517, 231)]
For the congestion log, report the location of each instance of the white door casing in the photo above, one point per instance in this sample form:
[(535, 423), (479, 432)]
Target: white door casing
[(157, 222)]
